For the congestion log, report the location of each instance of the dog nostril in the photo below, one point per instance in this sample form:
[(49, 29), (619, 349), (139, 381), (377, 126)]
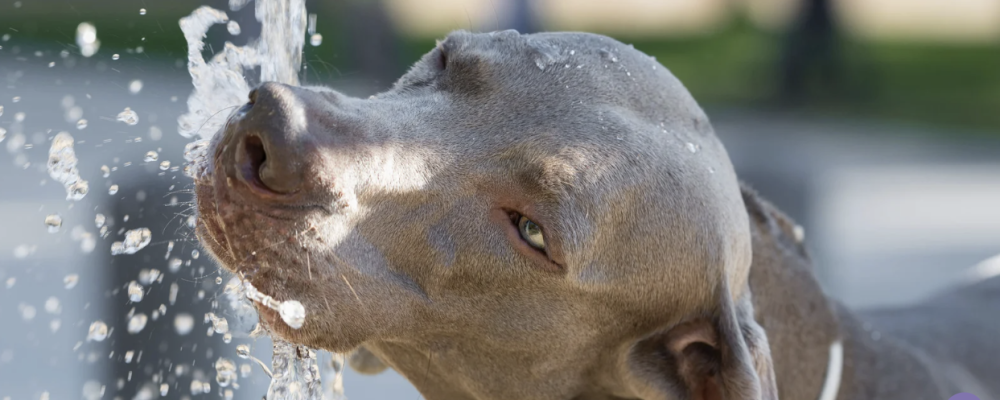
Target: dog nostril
[(255, 156)]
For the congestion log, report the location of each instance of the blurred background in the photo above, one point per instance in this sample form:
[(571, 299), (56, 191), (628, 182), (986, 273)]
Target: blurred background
[(874, 123)]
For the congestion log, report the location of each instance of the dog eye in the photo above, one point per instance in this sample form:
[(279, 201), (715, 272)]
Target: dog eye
[(531, 233)]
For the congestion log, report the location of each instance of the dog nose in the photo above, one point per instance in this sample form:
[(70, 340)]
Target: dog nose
[(270, 137)]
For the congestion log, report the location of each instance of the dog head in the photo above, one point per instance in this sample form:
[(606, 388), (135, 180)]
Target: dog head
[(520, 216)]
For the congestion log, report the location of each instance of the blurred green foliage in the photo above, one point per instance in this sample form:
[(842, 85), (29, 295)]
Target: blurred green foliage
[(948, 85)]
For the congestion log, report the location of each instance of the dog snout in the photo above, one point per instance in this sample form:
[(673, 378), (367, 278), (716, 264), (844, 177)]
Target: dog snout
[(269, 138)]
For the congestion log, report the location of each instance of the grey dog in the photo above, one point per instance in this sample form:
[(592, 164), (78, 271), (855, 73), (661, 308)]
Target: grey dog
[(551, 216)]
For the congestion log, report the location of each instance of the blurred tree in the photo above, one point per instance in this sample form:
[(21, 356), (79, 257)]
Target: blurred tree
[(810, 53), (371, 47), (523, 17)]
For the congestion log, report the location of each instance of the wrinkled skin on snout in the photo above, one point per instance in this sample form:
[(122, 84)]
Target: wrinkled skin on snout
[(394, 220)]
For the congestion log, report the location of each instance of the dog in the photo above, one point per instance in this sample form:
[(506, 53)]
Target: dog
[(551, 216)]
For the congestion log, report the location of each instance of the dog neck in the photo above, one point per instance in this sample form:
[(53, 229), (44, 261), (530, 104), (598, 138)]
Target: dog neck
[(801, 324)]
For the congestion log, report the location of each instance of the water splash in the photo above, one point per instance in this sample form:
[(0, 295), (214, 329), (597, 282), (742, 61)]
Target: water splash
[(219, 87), (219, 83), (135, 240), (62, 167), (294, 373)]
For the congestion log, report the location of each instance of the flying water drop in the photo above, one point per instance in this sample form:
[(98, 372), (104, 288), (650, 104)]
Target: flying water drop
[(70, 281), (128, 116), (53, 222), (135, 240), (86, 39), (137, 323), (293, 313), (135, 292), (183, 323), (62, 166), (98, 331)]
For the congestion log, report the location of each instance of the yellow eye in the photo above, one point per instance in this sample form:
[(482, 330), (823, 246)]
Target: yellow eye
[(531, 233)]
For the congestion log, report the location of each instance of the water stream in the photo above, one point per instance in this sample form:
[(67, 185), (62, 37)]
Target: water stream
[(219, 83)]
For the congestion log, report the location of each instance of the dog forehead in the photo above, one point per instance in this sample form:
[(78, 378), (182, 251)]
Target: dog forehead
[(612, 124)]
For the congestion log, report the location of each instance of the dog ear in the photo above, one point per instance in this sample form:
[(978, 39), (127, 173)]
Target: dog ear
[(720, 357)]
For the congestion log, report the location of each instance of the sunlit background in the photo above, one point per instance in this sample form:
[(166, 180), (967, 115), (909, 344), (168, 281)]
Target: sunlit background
[(874, 123)]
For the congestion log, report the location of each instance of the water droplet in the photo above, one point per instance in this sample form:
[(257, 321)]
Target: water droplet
[(226, 338), (16, 99), (70, 281), (225, 372), (78, 190), (164, 389), (135, 292), (27, 312), (1, 110), (172, 297), (183, 323), (93, 390), (19, 117), (98, 331), (81, 124), (316, 39), (135, 240), (218, 280), (692, 147), (99, 220), (311, 25), (128, 116), (233, 27), (293, 313), (799, 233), (165, 165), (10, 282), (148, 276), (219, 324), (54, 325), (151, 156), (195, 254), (609, 55), (52, 64), (243, 350), (245, 370), (62, 166), (155, 133), (3, 134), (115, 57), (137, 323), (53, 222), (113, 189), (52, 305), (135, 86), (174, 264), (128, 356), (105, 171), (142, 11)]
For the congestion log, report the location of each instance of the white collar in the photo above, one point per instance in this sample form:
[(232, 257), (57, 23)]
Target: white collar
[(834, 370)]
